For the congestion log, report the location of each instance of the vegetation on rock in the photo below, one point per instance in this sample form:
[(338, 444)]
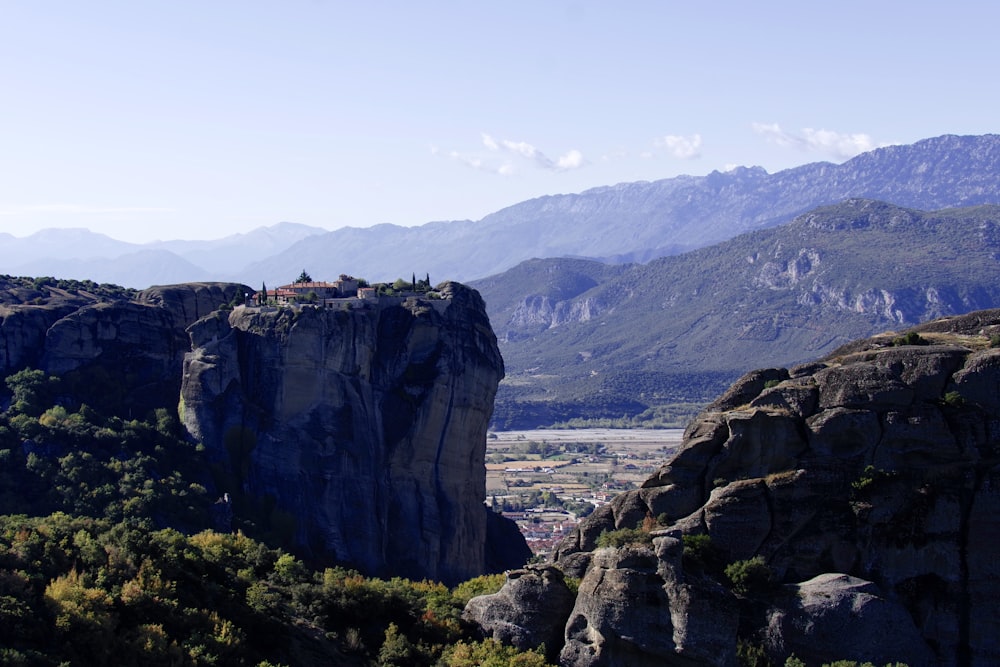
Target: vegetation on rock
[(110, 545)]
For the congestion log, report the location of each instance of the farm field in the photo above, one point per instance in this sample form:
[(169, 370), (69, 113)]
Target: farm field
[(547, 480)]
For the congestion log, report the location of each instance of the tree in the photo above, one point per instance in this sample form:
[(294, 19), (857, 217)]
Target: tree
[(262, 299), (750, 576), (32, 391), (303, 278)]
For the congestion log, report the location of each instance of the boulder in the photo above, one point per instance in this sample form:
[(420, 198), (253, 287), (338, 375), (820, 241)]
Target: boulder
[(635, 607), (530, 610), (837, 614)]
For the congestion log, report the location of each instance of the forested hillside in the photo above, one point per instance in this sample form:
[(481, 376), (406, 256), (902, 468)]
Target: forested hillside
[(113, 551), (642, 343)]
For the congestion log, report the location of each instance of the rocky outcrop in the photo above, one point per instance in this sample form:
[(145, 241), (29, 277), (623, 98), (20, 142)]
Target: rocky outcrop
[(636, 607), (857, 498), (845, 616), (357, 433), (529, 611), (126, 354)]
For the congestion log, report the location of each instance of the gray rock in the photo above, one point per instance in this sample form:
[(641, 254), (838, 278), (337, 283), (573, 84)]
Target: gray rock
[(836, 614), (364, 428), (530, 610), (881, 478), (634, 607)]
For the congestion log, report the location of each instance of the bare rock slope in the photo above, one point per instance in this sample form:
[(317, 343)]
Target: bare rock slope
[(854, 500)]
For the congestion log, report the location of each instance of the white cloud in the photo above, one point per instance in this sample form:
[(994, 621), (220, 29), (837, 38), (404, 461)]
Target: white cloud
[(835, 144), (573, 159), (685, 148)]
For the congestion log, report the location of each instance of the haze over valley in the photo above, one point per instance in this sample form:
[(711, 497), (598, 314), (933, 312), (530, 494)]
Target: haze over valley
[(635, 304), (561, 334)]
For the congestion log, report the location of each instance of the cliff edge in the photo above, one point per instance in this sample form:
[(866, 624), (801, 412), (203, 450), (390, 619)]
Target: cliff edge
[(843, 509), (356, 432)]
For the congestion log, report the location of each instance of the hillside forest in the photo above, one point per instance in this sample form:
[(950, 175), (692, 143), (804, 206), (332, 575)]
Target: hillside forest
[(113, 550)]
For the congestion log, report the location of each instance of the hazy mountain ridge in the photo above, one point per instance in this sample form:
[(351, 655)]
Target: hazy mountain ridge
[(85, 255), (643, 220), (649, 334), (626, 222)]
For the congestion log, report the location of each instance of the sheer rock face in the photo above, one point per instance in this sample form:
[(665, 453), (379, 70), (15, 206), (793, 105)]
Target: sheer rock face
[(363, 428), (877, 463), (129, 353)]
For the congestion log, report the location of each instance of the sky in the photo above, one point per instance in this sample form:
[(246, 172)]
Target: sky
[(176, 119)]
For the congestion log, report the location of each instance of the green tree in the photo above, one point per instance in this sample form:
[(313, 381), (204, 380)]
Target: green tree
[(32, 391), (750, 576), (491, 653), (303, 278), (396, 649)]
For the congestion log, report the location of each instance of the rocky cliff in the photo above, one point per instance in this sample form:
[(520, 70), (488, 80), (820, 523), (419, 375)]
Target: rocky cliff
[(842, 509), (358, 433), (121, 349)]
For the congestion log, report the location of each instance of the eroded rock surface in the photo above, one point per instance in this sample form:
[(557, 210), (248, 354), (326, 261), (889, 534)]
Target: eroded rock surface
[(867, 482), (530, 610), (837, 613), (127, 353), (361, 430)]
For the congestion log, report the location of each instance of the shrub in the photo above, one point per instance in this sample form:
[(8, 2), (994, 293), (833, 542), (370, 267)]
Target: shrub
[(700, 554), (953, 399), (750, 576), (911, 338), (623, 536), (490, 653), (751, 655), (870, 476), (486, 584)]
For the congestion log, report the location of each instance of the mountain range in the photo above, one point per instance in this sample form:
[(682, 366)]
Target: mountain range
[(644, 300), (628, 222), (581, 337)]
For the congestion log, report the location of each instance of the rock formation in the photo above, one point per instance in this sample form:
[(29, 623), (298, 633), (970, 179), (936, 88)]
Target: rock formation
[(358, 433), (854, 500), (126, 354), (529, 611)]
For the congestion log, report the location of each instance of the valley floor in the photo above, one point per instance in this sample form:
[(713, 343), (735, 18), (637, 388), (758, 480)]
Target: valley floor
[(546, 480)]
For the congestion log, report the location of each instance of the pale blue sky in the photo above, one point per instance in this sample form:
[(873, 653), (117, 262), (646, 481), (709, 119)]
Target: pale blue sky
[(180, 119)]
